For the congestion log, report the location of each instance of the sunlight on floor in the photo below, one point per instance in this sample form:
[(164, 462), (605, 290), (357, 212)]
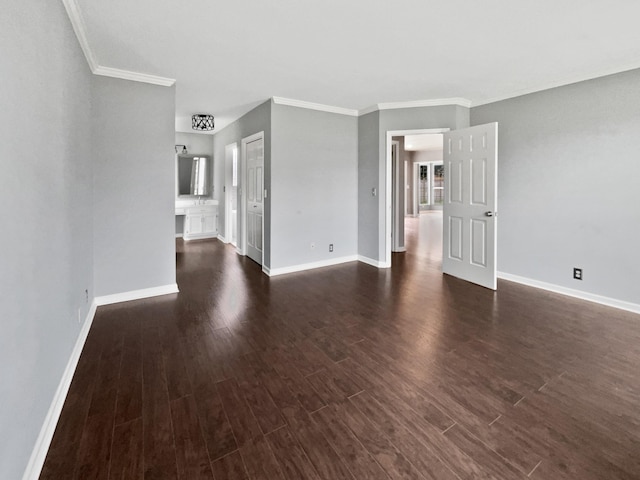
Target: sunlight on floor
[(423, 236)]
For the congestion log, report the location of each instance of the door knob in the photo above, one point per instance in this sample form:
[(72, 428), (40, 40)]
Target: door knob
[(488, 214)]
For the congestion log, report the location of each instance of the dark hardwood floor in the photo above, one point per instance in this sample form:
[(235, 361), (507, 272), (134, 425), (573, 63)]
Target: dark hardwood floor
[(350, 372)]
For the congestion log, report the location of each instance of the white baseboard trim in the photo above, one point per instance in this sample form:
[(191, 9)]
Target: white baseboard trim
[(39, 453), (372, 262), (200, 236), (222, 239), (400, 249), (137, 294), (308, 266), (591, 297), (178, 235)]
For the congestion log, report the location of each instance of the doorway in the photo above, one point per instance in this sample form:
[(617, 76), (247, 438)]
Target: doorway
[(231, 194), (397, 201), (470, 197), (253, 196), (427, 183), (423, 185)]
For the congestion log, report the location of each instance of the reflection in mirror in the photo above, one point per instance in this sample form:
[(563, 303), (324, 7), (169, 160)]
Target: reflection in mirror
[(199, 176), (193, 176)]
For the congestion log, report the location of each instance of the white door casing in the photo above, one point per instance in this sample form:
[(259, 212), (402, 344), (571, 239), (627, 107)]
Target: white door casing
[(406, 187), (386, 186), (397, 216), (230, 154), (255, 198), (470, 204)]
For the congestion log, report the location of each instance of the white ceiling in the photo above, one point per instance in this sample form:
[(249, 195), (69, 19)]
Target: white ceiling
[(229, 56)]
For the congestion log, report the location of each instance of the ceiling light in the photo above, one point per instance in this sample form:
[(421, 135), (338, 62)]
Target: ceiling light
[(202, 122)]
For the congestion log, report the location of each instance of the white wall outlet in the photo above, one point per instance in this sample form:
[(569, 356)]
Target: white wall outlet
[(331, 247), (313, 245)]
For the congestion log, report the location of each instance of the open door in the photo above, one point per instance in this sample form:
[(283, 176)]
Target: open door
[(470, 204), (255, 199)]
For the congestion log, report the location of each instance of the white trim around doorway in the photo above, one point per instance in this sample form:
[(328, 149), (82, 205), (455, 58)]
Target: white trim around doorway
[(242, 182), (385, 244)]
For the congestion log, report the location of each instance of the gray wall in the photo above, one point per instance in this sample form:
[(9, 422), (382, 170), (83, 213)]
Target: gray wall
[(46, 190), (257, 120), (568, 184), (314, 171), (196, 142), (134, 185), (368, 179), (372, 129)]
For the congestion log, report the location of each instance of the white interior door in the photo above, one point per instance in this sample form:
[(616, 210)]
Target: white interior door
[(470, 204), (255, 200)]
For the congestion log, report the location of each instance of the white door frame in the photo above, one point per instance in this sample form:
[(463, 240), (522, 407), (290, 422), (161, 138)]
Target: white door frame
[(406, 186), (414, 189), (396, 214), (416, 185), (242, 244), (388, 197), (228, 182)]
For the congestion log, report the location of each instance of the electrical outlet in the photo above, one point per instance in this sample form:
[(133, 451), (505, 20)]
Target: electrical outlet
[(331, 247), (313, 245), (86, 296), (577, 273)]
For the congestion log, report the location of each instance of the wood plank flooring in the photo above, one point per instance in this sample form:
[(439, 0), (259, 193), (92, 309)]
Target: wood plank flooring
[(350, 372)]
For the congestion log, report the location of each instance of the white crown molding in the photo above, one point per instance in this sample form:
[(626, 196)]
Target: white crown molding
[(80, 29), (134, 76), (314, 106), (436, 102), (39, 453), (136, 294), (591, 297)]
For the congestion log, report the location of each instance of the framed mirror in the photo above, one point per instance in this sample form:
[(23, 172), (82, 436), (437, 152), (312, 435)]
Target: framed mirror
[(193, 175)]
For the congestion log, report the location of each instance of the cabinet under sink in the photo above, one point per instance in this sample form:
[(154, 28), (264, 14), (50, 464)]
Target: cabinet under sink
[(200, 219)]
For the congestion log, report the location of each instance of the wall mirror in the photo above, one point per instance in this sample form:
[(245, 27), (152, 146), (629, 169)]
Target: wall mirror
[(193, 175)]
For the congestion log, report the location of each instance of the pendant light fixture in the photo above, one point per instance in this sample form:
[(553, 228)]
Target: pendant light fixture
[(202, 122)]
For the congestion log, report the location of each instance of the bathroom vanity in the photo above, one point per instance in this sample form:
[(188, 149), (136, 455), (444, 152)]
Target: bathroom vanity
[(194, 196)]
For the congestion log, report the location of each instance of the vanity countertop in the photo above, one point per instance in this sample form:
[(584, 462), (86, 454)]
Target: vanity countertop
[(183, 204)]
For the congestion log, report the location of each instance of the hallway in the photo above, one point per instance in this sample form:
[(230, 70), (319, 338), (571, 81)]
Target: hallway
[(423, 237), (350, 372)]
